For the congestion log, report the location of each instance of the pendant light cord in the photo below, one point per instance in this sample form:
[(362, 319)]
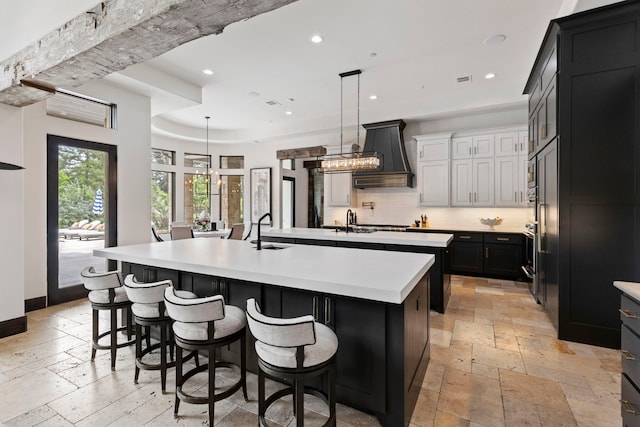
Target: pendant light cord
[(341, 113)]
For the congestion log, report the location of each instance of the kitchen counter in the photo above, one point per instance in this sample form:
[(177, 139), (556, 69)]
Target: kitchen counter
[(385, 277), (378, 306), (439, 240), (479, 229), (632, 289)]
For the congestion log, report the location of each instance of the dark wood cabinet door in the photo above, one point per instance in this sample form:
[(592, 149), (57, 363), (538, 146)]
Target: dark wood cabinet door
[(466, 257), (360, 326), (502, 260)]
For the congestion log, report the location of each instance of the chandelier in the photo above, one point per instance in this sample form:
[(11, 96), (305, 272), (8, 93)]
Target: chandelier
[(350, 161)]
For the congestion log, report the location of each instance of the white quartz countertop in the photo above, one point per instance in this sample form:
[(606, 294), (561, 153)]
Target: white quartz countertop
[(439, 240), (630, 288), (368, 274)]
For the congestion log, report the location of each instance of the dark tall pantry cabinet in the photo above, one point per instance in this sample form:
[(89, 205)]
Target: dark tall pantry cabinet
[(584, 136)]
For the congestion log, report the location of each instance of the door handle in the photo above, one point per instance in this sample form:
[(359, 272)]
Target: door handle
[(628, 355), (628, 407), (628, 314), (314, 308)]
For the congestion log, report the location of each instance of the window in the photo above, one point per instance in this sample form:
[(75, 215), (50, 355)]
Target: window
[(232, 199), (231, 162), (197, 161), (163, 157), (197, 197), (289, 164), (80, 108), (162, 200)]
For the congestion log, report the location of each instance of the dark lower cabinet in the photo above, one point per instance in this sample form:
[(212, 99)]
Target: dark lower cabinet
[(502, 260), (496, 255), (466, 257), (360, 326)]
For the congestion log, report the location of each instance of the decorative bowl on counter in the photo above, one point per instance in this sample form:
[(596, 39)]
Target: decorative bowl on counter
[(491, 222)]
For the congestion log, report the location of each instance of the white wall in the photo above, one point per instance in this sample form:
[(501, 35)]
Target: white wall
[(132, 138), (11, 216)]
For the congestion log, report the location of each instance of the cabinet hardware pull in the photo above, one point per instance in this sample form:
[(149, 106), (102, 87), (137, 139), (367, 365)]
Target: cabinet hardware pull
[(418, 304), (515, 196), (464, 237), (214, 286), (223, 290), (420, 197), (503, 239), (327, 311), (475, 196), (486, 252), (475, 150), (469, 150), (628, 407), (628, 355), (349, 198), (522, 196), (469, 196), (515, 146), (314, 309), (628, 313)]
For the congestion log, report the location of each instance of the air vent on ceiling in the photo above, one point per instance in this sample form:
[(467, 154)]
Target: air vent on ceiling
[(464, 79), (273, 103)]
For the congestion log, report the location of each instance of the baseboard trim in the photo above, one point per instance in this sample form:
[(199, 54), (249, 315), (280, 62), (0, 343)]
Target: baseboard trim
[(13, 326), (35, 304)]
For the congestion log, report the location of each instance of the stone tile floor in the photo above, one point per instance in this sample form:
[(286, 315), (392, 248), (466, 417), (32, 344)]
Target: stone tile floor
[(494, 362)]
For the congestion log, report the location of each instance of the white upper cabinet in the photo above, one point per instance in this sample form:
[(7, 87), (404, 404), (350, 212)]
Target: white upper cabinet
[(507, 190), (338, 187), (340, 191), (433, 169), (487, 168), (472, 146)]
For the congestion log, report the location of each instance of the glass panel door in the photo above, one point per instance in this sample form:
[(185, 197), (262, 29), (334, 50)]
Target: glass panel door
[(81, 213)]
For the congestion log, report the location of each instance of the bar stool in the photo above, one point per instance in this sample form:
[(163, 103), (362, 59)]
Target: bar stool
[(106, 293), (149, 310), (293, 349), (206, 324)]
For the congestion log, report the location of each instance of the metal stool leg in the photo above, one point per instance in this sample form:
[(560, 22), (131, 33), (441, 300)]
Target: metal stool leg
[(138, 352), (95, 327), (114, 336)]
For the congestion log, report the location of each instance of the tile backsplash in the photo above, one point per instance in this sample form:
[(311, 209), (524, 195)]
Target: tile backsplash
[(399, 206)]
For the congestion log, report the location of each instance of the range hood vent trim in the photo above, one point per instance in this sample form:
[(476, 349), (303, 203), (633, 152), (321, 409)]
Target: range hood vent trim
[(386, 138)]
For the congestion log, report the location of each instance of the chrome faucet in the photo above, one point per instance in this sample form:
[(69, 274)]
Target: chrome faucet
[(268, 214), (349, 215)]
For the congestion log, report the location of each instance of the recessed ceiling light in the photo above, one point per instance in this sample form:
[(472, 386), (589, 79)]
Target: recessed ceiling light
[(254, 94), (316, 39), (496, 39), (288, 113), (373, 54), (208, 72), (373, 96), (489, 75)]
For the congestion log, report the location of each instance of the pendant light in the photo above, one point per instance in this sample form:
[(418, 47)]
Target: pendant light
[(350, 161)]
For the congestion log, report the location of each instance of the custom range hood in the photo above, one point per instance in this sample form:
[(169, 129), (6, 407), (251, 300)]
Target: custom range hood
[(386, 138)]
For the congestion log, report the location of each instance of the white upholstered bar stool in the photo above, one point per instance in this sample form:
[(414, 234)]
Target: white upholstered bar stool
[(106, 293), (293, 350), (148, 309), (206, 324)]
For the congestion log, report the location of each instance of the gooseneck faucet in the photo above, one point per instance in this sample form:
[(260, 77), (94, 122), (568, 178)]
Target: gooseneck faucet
[(268, 214), (349, 213)]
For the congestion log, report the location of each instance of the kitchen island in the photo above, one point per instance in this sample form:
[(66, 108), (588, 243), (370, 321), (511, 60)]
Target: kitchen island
[(436, 244), (378, 307)]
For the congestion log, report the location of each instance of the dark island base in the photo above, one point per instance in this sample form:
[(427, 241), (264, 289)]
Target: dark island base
[(383, 348)]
